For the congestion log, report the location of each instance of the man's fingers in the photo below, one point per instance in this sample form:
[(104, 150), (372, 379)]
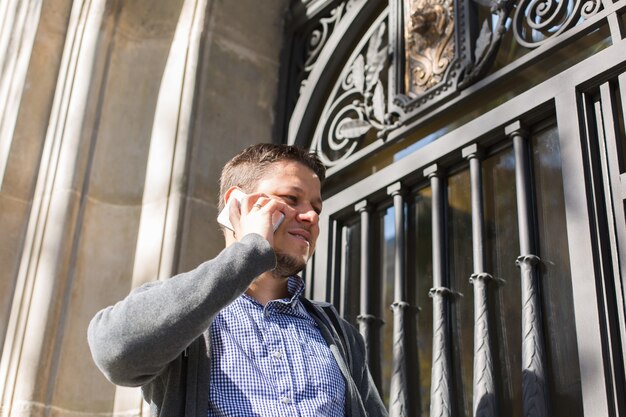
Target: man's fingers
[(254, 215), (263, 202)]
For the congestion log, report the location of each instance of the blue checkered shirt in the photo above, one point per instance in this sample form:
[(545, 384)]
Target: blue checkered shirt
[(272, 361)]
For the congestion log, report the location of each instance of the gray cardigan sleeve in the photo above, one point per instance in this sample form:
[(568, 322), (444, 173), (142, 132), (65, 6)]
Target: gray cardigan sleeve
[(134, 340)]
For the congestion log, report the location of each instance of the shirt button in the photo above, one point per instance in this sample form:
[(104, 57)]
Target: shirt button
[(285, 400), (277, 354)]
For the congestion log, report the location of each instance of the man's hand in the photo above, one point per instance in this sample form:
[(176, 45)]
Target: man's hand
[(255, 214)]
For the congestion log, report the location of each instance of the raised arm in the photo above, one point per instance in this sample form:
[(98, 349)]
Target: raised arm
[(134, 340)]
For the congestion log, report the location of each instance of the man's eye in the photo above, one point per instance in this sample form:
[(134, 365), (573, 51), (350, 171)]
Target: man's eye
[(290, 199)]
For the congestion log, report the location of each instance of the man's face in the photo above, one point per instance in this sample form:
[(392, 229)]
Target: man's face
[(297, 186)]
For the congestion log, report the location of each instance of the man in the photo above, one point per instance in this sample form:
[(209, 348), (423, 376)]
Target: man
[(235, 336)]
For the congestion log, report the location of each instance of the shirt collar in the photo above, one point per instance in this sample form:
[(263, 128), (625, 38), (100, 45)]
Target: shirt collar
[(295, 288)]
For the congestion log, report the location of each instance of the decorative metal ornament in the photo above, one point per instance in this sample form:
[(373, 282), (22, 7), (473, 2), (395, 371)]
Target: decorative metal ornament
[(357, 106), (433, 44), (537, 21), (351, 90), (487, 45), (428, 32), (318, 37)]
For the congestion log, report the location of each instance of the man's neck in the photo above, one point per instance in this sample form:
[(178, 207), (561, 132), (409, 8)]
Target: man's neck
[(268, 287)]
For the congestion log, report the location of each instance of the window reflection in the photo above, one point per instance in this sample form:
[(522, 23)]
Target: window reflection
[(422, 281), (461, 267), (620, 142), (419, 270), (502, 248), (555, 276), (351, 272), (387, 274)]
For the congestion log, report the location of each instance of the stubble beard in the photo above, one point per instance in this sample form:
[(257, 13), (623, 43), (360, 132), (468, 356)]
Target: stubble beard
[(287, 265)]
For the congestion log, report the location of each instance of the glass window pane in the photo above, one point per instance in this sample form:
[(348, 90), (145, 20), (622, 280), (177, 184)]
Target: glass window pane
[(461, 267), (388, 270), (419, 277), (502, 249), (620, 143), (422, 281), (555, 276), (419, 270), (350, 302)]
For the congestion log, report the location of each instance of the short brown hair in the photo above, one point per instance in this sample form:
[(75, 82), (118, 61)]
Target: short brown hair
[(246, 168)]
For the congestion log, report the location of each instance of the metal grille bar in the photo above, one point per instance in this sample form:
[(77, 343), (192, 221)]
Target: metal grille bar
[(400, 404), (441, 385), (369, 323), (534, 384), (344, 272), (484, 395)]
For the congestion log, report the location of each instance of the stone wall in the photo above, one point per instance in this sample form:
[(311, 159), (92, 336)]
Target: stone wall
[(115, 120)]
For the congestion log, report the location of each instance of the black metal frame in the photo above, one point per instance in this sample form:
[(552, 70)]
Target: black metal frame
[(594, 191), (560, 96)]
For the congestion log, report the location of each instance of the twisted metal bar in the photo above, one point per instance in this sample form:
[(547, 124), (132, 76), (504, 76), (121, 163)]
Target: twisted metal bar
[(484, 398), (534, 382), (441, 382)]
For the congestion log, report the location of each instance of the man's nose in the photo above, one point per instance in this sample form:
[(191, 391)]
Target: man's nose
[(309, 216)]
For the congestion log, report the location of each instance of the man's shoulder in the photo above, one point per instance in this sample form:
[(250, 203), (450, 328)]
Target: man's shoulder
[(321, 304), (328, 309)]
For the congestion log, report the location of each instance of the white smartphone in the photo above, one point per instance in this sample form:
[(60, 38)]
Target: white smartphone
[(224, 217)]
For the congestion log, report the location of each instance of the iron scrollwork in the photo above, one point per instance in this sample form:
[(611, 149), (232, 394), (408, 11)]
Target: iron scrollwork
[(438, 49), (534, 22), (318, 37), (537, 21), (488, 41), (358, 106)]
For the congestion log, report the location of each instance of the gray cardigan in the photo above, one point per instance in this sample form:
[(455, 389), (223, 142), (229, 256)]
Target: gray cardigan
[(158, 336)]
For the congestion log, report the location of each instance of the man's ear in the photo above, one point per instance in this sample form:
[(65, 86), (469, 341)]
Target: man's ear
[(228, 193)]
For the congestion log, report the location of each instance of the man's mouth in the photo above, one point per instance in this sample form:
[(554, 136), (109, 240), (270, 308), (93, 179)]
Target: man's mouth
[(301, 234)]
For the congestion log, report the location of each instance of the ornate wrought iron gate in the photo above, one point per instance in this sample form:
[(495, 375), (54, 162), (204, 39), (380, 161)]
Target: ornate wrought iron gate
[(473, 225)]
